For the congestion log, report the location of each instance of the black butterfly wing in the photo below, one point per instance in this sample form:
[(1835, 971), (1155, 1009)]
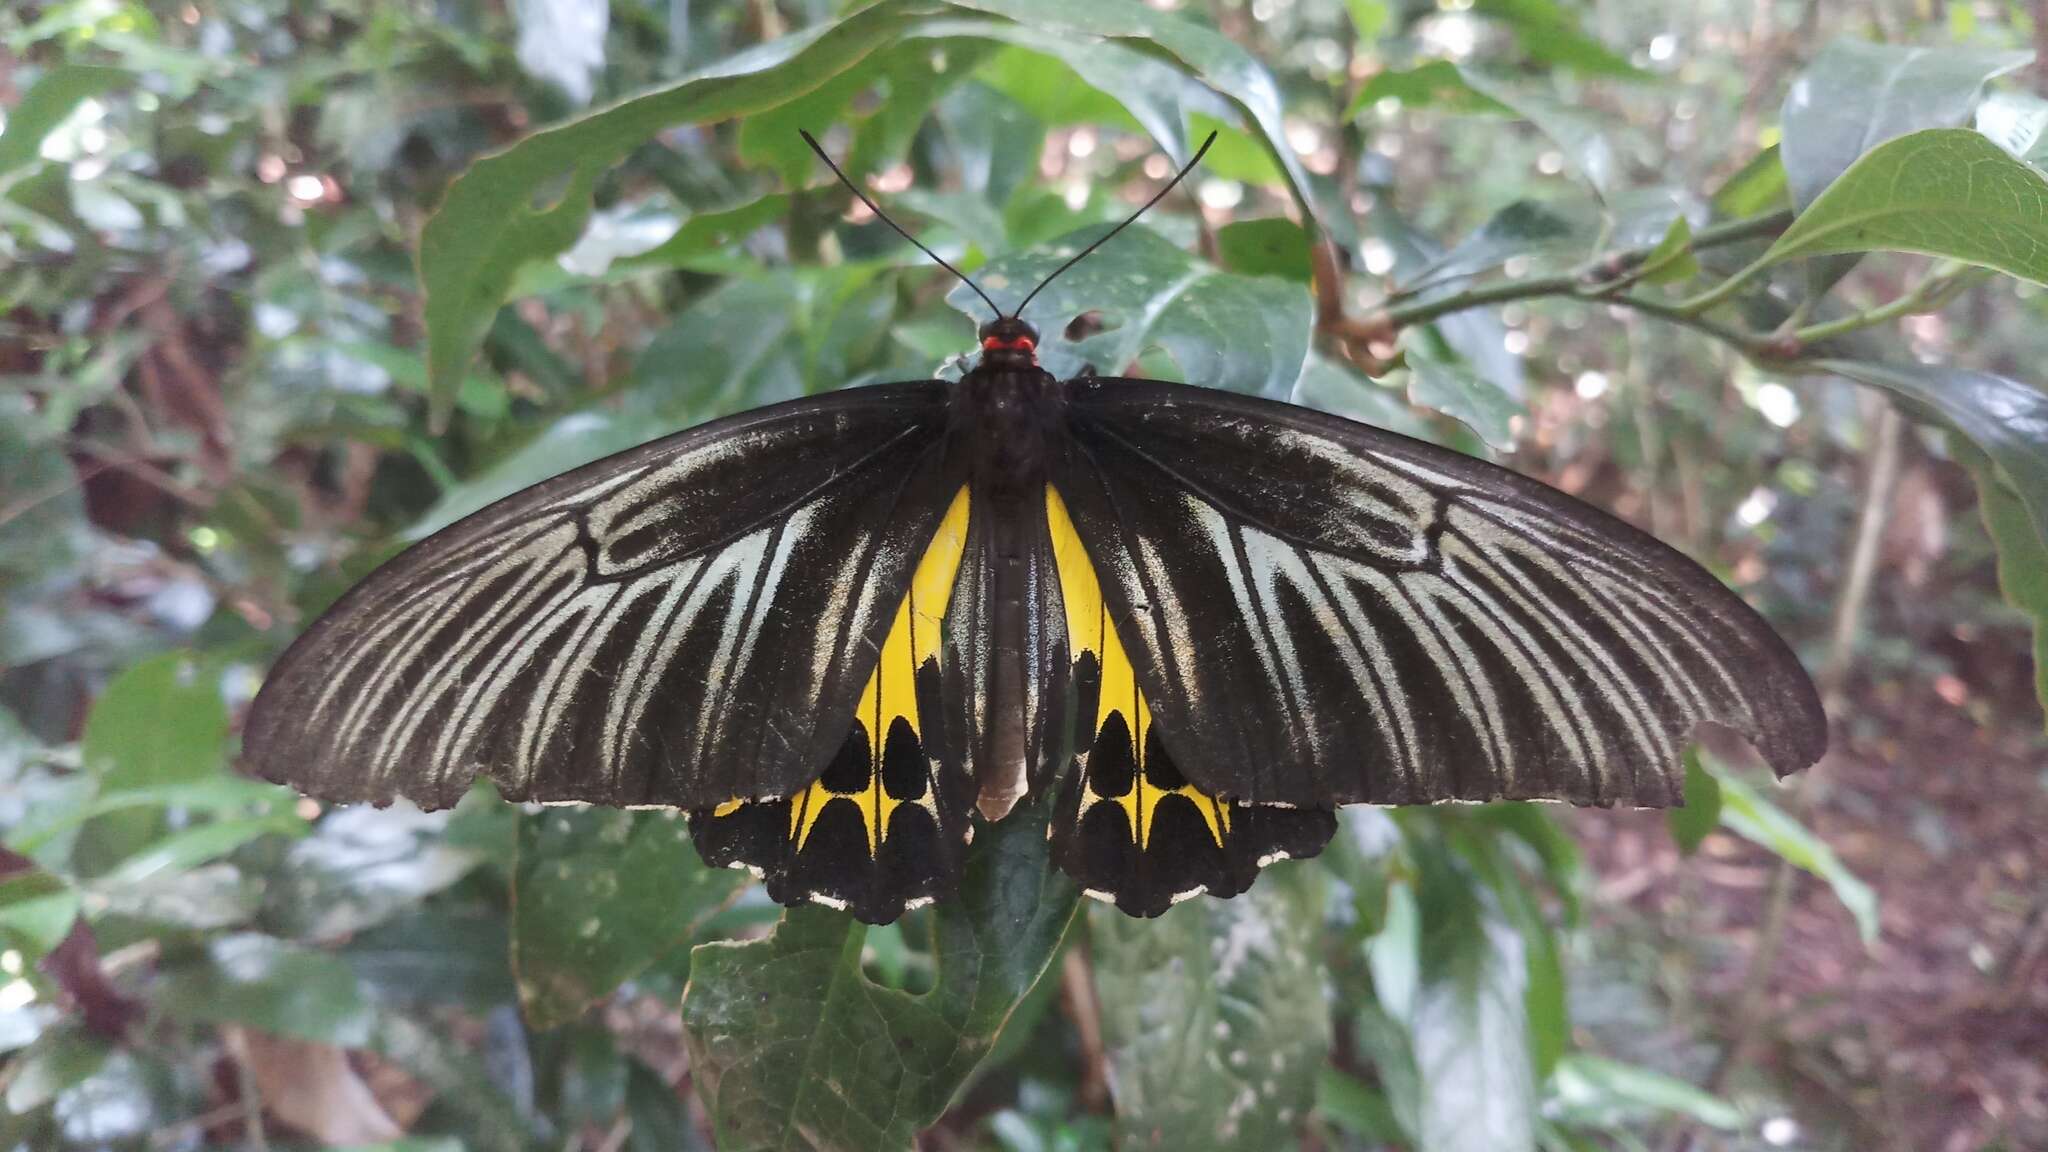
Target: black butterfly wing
[(682, 624), (885, 826), (1323, 613), (1128, 826)]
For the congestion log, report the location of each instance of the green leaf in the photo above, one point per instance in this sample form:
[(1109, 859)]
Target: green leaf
[(1940, 192), (1579, 134), (707, 232), (1112, 76), (1525, 228), (43, 530), (190, 847), (570, 442), (220, 795), (1672, 259), (2022, 556), (1334, 386), (1469, 1028), (270, 985), (1274, 246), (793, 1048), (2018, 123), (2004, 418), (1757, 187), (42, 108), (1207, 55), (1444, 382), (531, 200), (363, 865), (1745, 812), (1856, 95), (55, 1063), (1213, 1016), (1368, 18), (1691, 824), (435, 953), (36, 911), (1551, 34), (1434, 84), (598, 896), (1394, 954), (1244, 333), (160, 722), (1549, 1015), (1590, 1091), (1358, 1108)]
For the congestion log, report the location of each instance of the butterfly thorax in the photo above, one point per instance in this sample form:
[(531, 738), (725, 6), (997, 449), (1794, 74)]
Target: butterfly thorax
[(1007, 412)]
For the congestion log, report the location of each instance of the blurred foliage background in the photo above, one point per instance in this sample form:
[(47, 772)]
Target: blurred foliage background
[(257, 332)]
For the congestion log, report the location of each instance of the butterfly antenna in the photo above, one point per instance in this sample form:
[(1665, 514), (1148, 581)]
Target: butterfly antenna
[(1128, 221), (884, 217)]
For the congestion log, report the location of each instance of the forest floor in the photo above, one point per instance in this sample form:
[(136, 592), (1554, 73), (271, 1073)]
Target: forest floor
[(1935, 1037)]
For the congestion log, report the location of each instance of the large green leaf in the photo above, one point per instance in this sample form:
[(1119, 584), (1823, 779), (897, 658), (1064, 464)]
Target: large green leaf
[(1469, 1032), (1443, 381), (1208, 55), (273, 986), (363, 865), (42, 108), (1701, 814), (1213, 1016), (1157, 95), (1940, 192), (793, 1048), (1550, 33), (36, 911), (1856, 95), (599, 895), (2008, 420), (531, 200), (1590, 1091), (1581, 135), (160, 722), (1526, 228), (1244, 333), (41, 533), (2022, 559)]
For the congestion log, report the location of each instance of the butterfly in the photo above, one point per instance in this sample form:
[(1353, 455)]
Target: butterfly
[(839, 632)]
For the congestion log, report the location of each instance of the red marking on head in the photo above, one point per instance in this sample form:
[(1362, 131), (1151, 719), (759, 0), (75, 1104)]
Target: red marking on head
[(1013, 344)]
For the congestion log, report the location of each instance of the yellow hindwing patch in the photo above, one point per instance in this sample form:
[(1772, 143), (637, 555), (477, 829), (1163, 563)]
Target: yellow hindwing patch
[(891, 691), (1089, 631)]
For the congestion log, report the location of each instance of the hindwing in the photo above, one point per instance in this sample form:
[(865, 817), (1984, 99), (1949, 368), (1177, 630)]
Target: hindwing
[(1128, 826), (677, 625), (884, 828), (1324, 613)]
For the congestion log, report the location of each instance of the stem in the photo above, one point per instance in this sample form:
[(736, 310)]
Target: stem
[(1926, 296), (1623, 269), (1725, 289)]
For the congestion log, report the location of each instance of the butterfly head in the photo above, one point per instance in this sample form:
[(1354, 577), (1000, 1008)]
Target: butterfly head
[(1009, 342)]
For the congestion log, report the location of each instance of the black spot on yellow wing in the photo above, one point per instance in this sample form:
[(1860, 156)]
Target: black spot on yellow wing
[(1128, 826), (883, 828)]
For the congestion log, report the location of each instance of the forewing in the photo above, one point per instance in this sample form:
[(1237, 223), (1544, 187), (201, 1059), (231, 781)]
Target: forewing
[(1325, 613), (678, 625)]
